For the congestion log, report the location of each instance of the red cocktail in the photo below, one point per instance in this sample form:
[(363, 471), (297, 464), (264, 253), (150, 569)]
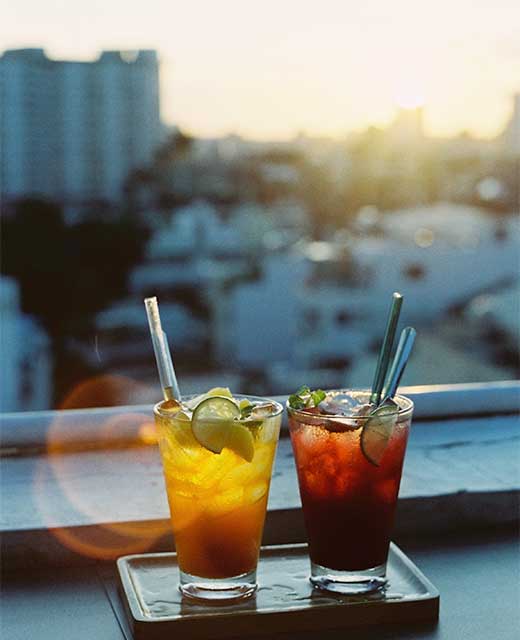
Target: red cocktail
[(349, 484)]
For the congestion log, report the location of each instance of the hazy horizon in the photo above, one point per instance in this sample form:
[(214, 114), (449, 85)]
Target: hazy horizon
[(267, 71)]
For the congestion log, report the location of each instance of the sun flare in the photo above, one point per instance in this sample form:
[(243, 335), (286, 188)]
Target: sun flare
[(410, 99)]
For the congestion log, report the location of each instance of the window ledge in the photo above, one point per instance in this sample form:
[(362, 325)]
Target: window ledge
[(66, 508), (110, 427)]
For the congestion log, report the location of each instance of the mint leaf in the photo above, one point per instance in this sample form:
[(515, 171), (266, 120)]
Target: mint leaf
[(318, 396), (295, 402), (304, 397), (253, 425), (245, 412)]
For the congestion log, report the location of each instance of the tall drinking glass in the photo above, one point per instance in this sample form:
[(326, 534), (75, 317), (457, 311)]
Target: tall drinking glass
[(348, 498), (217, 501)]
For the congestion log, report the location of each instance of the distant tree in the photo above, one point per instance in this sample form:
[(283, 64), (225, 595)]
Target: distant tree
[(103, 254), (324, 199), (177, 145), (34, 251), (67, 274)]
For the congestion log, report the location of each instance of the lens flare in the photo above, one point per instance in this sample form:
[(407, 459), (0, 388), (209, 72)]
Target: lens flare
[(71, 486), (108, 391)]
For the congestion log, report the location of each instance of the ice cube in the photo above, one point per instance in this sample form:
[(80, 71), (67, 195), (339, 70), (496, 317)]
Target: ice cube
[(263, 410), (221, 503), (362, 410), (344, 404), (332, 407), (193, 402), (255, 492)]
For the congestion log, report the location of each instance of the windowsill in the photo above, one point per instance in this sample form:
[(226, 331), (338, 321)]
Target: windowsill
[(111, 427), (458, 473)]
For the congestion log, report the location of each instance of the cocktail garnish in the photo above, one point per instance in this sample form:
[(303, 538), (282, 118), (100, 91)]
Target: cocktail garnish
[(219, 391), (318, 396), (376, 433), (215, 425), (304, 398), (246, 411), (378, 428)]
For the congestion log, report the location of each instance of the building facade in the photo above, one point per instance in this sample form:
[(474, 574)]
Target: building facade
[(75, 130), (25, 354)]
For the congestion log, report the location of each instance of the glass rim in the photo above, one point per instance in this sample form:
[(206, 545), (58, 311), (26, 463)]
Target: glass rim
[(401, 412), (240, 396)]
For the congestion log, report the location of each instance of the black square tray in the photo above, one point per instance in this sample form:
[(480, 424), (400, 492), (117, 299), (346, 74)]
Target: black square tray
[(285, 600)]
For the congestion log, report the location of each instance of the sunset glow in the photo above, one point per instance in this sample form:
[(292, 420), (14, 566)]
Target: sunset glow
[(271, 69), (410, 100)]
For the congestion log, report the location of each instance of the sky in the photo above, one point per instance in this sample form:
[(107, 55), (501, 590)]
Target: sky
[(270, 69)]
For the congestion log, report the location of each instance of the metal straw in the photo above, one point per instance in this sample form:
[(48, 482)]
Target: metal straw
[(402, 354), (162, 352), (386, 348)]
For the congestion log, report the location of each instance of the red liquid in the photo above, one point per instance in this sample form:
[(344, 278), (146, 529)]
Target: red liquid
[(348, 503)]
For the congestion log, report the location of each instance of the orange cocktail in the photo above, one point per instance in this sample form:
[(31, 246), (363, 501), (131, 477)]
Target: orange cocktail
[(218, 499)]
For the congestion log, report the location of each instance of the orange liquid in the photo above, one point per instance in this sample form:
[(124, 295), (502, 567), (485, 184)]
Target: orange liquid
[(217, 501), (220, 547)]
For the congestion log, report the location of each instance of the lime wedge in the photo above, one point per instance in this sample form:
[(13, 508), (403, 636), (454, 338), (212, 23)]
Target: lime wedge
[(219, 391), (240, 440), (214, 425), (244, 403), (214, 392), (376, 433)]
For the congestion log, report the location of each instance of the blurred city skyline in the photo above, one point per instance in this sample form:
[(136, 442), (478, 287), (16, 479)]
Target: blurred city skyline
[(271, 71)]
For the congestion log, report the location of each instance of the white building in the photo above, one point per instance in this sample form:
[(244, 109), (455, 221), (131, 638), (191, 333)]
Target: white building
[(439, 257), (323, 306), (195, 251), (74, 130), (434, 361), (26, 373), (496, 317), (124, 338), (256, 323)]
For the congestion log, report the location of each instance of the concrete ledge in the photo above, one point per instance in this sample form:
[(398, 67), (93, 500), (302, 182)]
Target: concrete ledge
[(97, 505), (110, 427)]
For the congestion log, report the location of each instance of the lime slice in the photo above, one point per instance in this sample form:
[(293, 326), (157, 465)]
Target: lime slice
[(212, 421), (241, 441), (214, 392), (214, 425), (244, 403), (219, 391), (376, 433)]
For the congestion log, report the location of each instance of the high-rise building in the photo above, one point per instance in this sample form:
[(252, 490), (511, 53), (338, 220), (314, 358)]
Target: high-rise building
[(74, 130)]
